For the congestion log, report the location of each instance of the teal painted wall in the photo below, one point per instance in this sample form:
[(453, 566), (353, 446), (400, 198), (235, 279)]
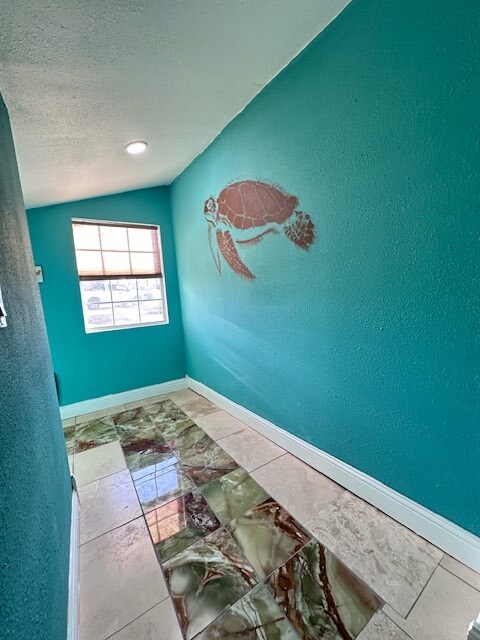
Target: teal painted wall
[(98, 364), (366, 346), (35, 490)]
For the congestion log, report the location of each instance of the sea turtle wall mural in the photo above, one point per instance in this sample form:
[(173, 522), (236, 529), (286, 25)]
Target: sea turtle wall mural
[(244, 213)]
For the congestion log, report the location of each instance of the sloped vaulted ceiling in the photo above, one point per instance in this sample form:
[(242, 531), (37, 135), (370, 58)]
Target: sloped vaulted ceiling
[(82, 78)]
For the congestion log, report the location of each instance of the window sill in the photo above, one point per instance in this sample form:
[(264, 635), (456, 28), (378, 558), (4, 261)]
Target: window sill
[(127, 326)]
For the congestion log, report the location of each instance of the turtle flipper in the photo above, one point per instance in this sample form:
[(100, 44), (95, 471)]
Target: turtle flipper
[(229, 252), (214, 249), (300, 230)]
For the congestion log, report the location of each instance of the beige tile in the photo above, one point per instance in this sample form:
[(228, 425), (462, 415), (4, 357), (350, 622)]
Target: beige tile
[(146, 401), (220, 424), (159, 622), (250, 449), (380, 627), (120, 579), (183, 396), (391, 559), (68, 422), (466, 574), (94, 415), (99, 462), (296, 486), (197, 408), (106, 504), (443, 611), (71, 460)]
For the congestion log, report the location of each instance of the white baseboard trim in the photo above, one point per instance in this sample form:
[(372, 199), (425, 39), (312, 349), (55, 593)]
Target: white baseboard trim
[(452, 539), (105, 402), (73, 570)]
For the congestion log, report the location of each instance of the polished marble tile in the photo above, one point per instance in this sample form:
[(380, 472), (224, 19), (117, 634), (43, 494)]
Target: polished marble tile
[(146, 401), (207, 461), (184, 435), (255, 617), (206, 578), (179, 524), (321, 597), (144, 452), (120, 579), (250, 449), (71, 463), (68, 422), (220, 424), (106, 504), (466, 574), (381, 627), (101, 413), (69, 435), (197, 408), (395, 562), (303, 491), (166, 413), (94, 433), (99, 462), (443, 611), (132, 423), (233, 494), (268, 536), (167, 483), (158, 623)]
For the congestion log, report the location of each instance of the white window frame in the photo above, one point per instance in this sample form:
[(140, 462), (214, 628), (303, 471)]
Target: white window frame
[(138, 325)]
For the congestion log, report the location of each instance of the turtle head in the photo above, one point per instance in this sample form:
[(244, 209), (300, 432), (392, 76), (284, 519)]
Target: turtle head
[(210, 209)]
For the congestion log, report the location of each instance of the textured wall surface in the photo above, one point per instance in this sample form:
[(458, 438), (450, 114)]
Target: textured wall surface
[(34, 477), (97, 364), (366, 346)]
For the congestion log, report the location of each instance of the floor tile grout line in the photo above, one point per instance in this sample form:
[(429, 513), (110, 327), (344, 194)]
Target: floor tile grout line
[(100, 535), (455, 575), (406, 633), (420, 594), (137, 618), (109, 475)]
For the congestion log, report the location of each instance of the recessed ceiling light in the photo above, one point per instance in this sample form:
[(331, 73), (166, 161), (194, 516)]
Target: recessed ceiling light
[(136, 147)]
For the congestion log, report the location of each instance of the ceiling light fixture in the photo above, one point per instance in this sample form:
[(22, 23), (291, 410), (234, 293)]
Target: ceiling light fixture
[(138, 146)]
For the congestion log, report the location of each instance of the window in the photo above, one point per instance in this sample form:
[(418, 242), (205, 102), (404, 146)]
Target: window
[(121, 274)]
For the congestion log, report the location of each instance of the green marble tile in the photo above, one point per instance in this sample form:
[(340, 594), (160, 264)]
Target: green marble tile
[(94, 433), (179, 524), (69, 435), (185, 437), (321, 597), (207, 461), (165, 413), (268, 536), (206, 579), (255, 617), (147, 453), (132, 423), (164, 484), (233, 494)]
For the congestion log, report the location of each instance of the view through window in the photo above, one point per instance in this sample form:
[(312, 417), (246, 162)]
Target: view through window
[(121, 274)]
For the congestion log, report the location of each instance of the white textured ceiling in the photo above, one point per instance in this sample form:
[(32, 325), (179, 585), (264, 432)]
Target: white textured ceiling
[(82, 78)]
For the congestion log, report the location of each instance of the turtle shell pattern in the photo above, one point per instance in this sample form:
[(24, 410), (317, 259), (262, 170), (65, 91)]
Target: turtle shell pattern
[(250, 204)]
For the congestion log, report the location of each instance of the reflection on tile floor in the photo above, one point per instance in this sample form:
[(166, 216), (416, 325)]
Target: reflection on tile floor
[(178, 524), (237, 564)]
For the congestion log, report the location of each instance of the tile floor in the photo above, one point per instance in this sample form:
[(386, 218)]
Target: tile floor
[(193, 526)]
